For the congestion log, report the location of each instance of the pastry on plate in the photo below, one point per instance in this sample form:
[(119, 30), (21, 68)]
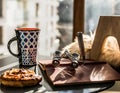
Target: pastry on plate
[(16, 77)]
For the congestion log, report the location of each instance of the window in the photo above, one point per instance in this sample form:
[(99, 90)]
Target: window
[(53, 17), (65, 22), (1, 15), (97, 8), (1, 8), (37, 9), (1, 37)]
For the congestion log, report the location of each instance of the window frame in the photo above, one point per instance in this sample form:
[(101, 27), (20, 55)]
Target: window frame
[(78, 17)]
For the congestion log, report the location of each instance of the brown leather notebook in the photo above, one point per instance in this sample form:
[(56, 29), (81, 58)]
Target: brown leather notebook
[(87, 73)]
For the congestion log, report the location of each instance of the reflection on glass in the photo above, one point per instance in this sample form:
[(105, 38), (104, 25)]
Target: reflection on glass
[(97, 8), (53, 17)]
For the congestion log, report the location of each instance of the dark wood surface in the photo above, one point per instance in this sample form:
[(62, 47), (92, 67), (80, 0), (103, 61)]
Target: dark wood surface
[(91, 72), (44, 86)]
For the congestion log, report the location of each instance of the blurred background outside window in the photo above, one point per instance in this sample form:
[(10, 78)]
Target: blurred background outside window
[(96, 8), (53, 17)]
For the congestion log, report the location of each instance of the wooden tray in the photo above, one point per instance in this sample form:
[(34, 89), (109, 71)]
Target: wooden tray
[(88, 73)]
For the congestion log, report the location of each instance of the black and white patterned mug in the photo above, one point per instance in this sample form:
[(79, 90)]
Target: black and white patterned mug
[(27, 39)]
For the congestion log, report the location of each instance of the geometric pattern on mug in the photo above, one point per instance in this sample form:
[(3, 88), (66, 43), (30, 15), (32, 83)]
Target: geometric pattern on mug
[(28, 39), (29, 56), (28, 45)]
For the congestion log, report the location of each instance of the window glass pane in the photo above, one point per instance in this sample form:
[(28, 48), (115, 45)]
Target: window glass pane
[(97, 8), (53, 17), (1, 7), (65, 22), (1, 42)]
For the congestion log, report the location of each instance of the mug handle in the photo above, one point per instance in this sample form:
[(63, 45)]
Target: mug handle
[(8, 46)]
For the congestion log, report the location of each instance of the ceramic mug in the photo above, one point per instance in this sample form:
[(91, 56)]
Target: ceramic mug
[(27, 39)]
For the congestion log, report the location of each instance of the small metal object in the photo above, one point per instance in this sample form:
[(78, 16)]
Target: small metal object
[(73, 58), (56, 58), (81, 44)]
